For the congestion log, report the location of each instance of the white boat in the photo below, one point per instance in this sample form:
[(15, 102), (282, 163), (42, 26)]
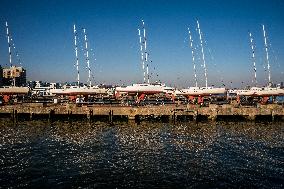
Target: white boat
[(200, 91), (203, 91), (169, 90), (40, 90), (261, 91), (75, 90), (145, 88), (13, 90), (80, 90), (270, 91)]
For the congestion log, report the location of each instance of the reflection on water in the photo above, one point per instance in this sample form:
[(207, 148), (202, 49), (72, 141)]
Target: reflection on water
[(82, 154)]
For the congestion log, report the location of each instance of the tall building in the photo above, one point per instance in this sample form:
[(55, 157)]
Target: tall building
[(19, 73)]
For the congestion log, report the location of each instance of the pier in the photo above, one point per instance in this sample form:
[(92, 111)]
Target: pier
[(163, 113)]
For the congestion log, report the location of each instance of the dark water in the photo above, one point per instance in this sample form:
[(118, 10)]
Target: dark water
[(83, 155)]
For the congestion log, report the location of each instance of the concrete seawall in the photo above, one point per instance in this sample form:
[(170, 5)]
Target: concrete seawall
[(167, 113)]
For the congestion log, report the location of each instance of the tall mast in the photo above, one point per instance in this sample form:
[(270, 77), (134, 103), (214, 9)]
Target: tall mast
[(146, 53), (202, 51), (76, 54), (193, 57), (10, 53), (253, 57), (87, 57), (9, 44), (142, 55), (267, 58)]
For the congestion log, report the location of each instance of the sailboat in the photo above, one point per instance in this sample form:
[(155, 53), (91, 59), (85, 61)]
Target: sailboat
[(200, 91), (145, 88), (80, 90), (261, 91)]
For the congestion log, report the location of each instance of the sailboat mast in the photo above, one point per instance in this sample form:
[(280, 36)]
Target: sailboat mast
[(10, 53), (146, 53), (193, 57), (87, 57), (267, 58), (9, 44), (142, 55), (76, 54), (253, 57), (202, 51)]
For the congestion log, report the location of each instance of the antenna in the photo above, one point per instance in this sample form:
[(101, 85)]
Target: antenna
[(267, 58), (146, 53), (142, 55), (253, 57), (202, 51), (193, 57), (76, 54), (87, 57)]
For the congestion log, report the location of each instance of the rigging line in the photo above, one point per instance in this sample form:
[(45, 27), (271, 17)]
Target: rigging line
[(273, 52), (16, 52), (94, 63)]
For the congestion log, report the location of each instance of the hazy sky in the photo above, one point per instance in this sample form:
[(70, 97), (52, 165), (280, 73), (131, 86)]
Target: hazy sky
[(43, 34)]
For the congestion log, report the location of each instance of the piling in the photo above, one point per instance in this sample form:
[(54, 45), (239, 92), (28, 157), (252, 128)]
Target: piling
[(110, 116), (50, 115)]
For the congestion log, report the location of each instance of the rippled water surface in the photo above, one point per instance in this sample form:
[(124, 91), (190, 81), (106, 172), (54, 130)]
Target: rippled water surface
[(154, 155)]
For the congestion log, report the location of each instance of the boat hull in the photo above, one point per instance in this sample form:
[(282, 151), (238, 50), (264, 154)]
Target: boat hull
[(14, 90), (78, 91), (261, 92), (194, 91)]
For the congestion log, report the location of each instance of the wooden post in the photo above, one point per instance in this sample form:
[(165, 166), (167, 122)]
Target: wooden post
[(15, 116), (137, 119), (90, 115), (174, 117), (50, 115), (69, 115), (31, 115), (110, 115)]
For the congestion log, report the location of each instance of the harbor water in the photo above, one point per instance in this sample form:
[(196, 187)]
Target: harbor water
[(75, 154)]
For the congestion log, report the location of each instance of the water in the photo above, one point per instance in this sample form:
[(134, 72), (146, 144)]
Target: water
[(38, 154)]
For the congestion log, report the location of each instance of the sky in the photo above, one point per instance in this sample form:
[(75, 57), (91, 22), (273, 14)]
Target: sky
[(42, 32)]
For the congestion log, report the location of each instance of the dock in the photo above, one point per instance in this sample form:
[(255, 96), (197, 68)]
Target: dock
[(163, 113)]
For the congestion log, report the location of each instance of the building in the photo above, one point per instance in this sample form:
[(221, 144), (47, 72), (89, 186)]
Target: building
[(19, 73)]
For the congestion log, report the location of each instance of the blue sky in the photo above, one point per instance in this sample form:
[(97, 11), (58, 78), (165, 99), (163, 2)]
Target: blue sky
[(43, 34)]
